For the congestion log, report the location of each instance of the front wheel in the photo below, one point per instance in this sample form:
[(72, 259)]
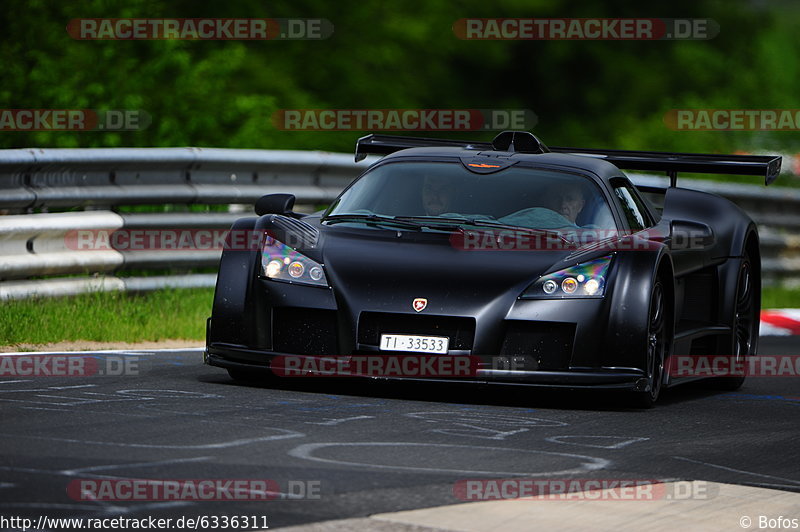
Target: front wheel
[(658, 342)]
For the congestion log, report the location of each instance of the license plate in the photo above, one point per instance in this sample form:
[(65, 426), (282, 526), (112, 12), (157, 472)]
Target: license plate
[(414, 344)]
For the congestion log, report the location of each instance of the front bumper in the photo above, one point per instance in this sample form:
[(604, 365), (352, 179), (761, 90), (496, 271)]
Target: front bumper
[(556, 343), (237, 357)]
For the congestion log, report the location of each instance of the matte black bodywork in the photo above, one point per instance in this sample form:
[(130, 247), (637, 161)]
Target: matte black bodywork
[(592, 342)]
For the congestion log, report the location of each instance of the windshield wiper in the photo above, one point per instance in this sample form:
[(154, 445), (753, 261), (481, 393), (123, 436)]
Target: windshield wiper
[(501, 225), (377, 219), (436, 222), (483, 222)]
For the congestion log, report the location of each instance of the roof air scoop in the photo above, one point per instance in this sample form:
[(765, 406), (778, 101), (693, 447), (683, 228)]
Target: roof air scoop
[(519, 142)]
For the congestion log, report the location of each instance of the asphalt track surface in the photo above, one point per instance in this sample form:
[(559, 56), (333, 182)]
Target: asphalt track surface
[(368, 447)]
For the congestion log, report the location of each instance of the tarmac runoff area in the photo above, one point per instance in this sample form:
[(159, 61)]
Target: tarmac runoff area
[(733, 507)]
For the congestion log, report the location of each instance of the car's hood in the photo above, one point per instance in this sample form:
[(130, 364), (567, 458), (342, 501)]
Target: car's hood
[(386, 270)]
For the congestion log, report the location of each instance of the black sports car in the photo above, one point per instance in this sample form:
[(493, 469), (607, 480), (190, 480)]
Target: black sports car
[(544, 266)]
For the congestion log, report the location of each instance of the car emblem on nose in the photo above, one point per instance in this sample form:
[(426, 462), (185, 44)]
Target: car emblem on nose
[(419, 304)]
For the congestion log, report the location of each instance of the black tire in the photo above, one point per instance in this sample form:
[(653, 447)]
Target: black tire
[(658, 342), (744, 327)]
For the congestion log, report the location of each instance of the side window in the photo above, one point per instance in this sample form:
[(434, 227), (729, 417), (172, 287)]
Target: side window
[(635, 212)]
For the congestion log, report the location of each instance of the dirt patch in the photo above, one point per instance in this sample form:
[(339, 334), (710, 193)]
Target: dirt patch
[(84, 345)]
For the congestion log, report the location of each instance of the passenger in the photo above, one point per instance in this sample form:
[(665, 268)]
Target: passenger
[(567, 200)]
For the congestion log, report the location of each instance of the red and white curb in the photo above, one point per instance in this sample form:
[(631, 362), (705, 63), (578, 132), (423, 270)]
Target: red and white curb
[(780, 322)]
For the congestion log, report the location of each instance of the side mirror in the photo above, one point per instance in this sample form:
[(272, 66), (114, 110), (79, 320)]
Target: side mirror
[(690, 235), (275, 204)]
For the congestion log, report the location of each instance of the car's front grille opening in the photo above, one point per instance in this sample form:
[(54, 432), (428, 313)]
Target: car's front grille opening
[(705, 345), (371, 325), (304, 331), (538, 345)]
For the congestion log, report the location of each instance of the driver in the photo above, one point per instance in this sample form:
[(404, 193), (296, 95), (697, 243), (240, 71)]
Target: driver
[(437, 195), (567, 200)]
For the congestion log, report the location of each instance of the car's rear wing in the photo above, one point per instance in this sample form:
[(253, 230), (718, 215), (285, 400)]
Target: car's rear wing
[(386, 144), (768, 166)]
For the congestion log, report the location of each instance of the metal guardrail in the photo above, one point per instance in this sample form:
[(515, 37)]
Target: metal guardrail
[(98, 180), (101, 179), (92, 177)]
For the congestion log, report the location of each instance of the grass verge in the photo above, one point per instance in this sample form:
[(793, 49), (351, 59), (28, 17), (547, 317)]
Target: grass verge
[(154, 316), (108, 317), (780, 297)]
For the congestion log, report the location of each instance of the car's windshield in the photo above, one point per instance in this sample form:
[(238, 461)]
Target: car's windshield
[(530, 198)]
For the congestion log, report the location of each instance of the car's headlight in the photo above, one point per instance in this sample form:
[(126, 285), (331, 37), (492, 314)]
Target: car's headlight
[(282, 263), (587, 279)]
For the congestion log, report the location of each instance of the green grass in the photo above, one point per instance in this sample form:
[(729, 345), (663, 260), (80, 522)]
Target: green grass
[(108, 317), (161, 315), (780, 297)]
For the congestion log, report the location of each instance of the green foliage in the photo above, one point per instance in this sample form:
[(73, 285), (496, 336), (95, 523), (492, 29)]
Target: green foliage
[(398, 55)]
